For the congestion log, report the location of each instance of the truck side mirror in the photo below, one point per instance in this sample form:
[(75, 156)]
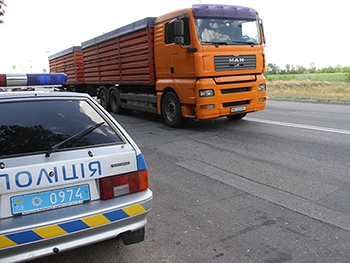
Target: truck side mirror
[(179, 32), (262, 31)]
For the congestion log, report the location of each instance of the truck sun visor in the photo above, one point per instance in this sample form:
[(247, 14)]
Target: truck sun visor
[(224, 11)]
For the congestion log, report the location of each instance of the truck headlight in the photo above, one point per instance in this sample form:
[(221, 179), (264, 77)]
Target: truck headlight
[(206, 93), (262, 87)]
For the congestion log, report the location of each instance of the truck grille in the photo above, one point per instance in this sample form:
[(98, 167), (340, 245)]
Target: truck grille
[(228, 63), (235, 103), (237, 90)]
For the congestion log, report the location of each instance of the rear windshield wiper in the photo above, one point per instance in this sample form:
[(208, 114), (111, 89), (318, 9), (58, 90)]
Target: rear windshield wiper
[(73, 138)]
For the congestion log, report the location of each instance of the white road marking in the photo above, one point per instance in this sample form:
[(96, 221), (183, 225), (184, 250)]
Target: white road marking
[(301, 126)]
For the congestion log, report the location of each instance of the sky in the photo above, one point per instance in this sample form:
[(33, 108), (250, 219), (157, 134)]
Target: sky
[(298, 32)]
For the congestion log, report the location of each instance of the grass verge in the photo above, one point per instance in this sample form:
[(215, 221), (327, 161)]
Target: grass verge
[(309, 90)]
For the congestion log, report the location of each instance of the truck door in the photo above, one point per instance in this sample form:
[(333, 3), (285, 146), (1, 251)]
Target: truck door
[(181, 62)]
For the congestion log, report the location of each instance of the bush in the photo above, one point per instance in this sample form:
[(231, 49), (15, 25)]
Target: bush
[(347, 79)]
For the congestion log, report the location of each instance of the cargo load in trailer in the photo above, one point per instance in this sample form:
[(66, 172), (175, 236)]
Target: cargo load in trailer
[(202, 62)]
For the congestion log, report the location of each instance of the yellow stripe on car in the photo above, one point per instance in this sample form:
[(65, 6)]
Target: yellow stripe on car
[(6, 242), (96, 220), (134, 210), (50, 231), (37, 234)]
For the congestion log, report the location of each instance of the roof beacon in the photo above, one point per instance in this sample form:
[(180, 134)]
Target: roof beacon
[(32, 79)]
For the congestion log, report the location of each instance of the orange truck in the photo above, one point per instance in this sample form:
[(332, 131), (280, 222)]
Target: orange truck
[(202, 62)]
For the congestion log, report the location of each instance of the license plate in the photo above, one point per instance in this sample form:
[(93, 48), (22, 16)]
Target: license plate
[(236, 109), (38, 202)]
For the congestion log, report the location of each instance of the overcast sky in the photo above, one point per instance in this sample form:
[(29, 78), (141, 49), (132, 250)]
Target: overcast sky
[(298, 32)]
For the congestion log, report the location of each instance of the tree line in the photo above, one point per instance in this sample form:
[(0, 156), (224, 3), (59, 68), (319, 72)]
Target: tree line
[(291, 69), (2, 10)]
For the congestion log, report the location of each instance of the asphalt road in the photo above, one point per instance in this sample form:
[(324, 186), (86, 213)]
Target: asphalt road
[(273, 187)]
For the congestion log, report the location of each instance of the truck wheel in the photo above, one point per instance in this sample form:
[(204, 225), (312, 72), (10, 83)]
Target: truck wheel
[(236, 116), (114, 100), (171, 110), (104, 99)]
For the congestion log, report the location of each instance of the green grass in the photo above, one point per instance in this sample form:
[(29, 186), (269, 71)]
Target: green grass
[(307, 89), (318, 86), (331, 77)]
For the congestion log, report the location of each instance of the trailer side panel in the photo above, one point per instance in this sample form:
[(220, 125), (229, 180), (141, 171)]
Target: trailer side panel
[(124, 56), (70, 62)]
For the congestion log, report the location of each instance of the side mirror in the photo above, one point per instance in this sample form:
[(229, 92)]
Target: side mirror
[(179, 40), (262, 31), (179, 32)]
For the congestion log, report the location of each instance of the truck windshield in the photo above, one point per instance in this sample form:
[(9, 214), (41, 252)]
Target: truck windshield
[(228, 32)]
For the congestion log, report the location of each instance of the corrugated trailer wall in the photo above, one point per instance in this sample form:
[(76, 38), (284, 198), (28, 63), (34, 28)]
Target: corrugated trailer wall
[(70, 62), (123, 56), (100, 62)]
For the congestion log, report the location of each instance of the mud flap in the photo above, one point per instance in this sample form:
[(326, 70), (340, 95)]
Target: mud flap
[(133, 237)]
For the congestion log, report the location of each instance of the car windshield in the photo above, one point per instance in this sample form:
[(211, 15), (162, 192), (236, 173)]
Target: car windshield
[(37, 126), (227, 32)]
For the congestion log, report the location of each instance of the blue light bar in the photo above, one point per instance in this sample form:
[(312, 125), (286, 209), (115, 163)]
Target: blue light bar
[(46, 79), (32, 79)]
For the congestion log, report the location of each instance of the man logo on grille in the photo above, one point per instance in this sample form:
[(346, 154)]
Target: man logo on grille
[(235, 62)]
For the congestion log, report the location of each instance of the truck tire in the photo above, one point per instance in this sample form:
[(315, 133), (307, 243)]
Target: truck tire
[(114, 101), (171, 111), (236, 116), (103, 95)]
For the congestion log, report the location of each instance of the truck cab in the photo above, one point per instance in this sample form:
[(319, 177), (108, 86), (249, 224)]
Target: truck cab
[(209, 63)]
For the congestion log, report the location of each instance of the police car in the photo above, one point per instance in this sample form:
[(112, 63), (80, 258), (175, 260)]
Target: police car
[(70, 176)]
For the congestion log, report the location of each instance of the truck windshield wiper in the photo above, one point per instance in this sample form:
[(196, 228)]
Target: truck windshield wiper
[(73, 138), (214, 43), (244, 42)]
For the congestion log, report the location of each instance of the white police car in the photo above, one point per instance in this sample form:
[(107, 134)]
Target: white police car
[(70, 176)]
